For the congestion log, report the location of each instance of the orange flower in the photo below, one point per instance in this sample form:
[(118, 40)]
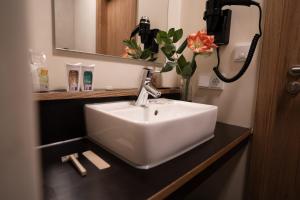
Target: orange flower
[(200, 42), (128, 51), (125, 55)]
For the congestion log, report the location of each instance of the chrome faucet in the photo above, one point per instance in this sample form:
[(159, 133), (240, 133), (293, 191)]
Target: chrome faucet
[(146, 88)]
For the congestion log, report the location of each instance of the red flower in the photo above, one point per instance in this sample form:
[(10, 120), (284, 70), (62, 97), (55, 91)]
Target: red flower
[(200, 42), (128, 51)]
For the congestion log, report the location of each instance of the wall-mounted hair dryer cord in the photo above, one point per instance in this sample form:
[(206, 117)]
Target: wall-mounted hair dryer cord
[(239, 2), (248, 59), (135, 31)]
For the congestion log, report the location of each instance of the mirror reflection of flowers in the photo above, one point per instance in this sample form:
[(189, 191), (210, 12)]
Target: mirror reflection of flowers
[(199, 43), (135, 51), (128, 52)]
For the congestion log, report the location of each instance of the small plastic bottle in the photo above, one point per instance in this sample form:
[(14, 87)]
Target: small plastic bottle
[(39, 72)]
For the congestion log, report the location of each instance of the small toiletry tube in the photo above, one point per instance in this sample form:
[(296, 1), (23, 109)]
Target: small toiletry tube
[(73, 77), (87, 80)]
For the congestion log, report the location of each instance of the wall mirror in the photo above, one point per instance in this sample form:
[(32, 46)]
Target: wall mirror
[(100, 26)]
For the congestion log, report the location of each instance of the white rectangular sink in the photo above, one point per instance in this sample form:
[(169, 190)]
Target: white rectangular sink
[(148, 136)]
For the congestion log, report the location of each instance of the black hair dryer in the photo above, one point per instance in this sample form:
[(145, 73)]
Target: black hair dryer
[(218, 24), (147, 34)]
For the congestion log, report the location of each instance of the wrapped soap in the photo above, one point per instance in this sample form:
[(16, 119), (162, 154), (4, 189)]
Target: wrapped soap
[(87, 80), (73, 77)]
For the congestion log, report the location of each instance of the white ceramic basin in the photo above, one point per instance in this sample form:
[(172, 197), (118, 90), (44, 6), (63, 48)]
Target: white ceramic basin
[(146, 137)]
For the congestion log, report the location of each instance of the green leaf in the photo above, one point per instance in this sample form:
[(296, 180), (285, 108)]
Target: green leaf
[(137, 54), (182, 62), (171, 32), (169, 50), (182, 47), (146, 54), (158, 38), (177, 35), (163, 38), (128, 43), (132, 44), (168, 67), (152, 59), (170, 59), (187, 71), (178, 70), (193, 65), (184, 68), (167, 40)]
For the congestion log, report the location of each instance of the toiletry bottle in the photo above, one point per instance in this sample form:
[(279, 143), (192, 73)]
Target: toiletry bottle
[(39, 71), (87, 81)]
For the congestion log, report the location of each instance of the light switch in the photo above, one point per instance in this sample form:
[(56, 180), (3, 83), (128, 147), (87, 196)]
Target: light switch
[(203, 81), (241, 52)]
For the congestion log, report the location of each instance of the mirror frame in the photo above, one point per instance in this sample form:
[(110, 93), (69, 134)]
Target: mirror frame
[(94, 56)]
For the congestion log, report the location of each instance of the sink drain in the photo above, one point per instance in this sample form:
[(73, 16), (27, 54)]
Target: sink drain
[(156, 113)]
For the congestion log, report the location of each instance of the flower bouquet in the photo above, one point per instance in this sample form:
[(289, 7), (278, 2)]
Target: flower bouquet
[(199, 43)]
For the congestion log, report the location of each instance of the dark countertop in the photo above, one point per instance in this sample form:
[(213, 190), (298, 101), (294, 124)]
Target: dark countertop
[(62, 182)]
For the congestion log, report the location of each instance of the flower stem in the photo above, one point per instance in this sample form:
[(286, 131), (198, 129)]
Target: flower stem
[(185, 89), (194, 56)]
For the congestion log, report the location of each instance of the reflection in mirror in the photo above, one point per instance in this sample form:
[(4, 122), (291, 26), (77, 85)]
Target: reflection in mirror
[(100, 26)]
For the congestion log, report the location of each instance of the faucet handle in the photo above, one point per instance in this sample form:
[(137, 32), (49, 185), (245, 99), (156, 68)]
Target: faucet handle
[(148, 72)]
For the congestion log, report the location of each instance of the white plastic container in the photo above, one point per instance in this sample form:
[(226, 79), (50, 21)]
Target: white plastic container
[(73, 77), (39, 72), (87, 77)]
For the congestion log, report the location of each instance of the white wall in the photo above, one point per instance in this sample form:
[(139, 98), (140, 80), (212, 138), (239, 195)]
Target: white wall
[(109, 71), (156, 10), (64, 20), (236, 103), (19, 168), (85, 25), (174, 14), (75, 22)]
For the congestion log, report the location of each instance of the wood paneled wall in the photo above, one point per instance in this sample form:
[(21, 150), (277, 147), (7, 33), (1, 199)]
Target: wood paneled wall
[(115, 21)]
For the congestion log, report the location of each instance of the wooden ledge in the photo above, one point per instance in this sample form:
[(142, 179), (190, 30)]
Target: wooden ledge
[(175, 185), (63, 95)]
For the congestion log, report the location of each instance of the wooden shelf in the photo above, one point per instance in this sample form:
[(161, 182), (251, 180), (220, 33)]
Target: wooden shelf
[(130, 183), (63, 95)]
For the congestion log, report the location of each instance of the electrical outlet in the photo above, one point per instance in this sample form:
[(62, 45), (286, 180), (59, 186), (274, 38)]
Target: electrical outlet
[(215, 82), (241, 52)]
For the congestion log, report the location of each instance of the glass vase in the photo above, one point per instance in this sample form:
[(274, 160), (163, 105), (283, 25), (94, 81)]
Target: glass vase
[(186, 89)]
